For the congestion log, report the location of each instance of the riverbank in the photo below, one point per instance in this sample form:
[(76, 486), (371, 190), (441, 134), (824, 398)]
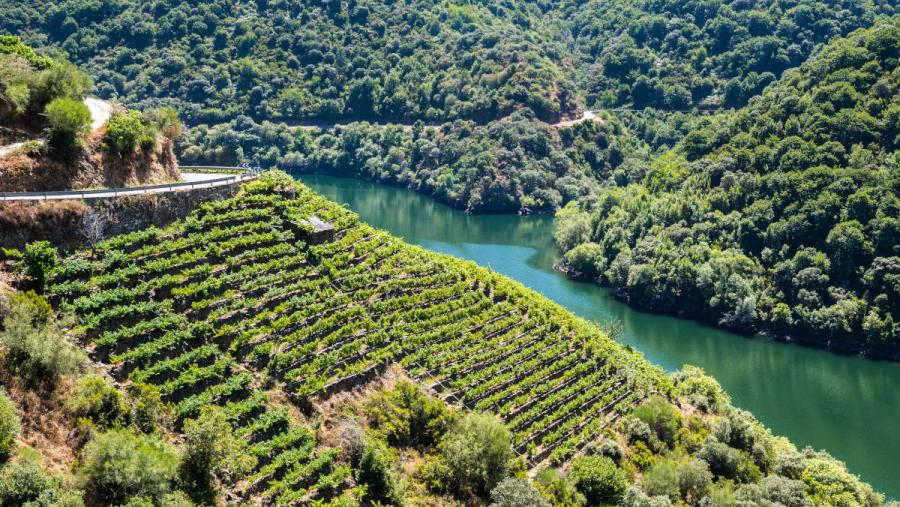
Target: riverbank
[(812, 396)]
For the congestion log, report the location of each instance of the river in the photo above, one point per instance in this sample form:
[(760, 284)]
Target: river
[(849, 406)]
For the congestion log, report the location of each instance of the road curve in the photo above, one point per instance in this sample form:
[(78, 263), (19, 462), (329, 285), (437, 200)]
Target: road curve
[(192, 181), (100, 110)]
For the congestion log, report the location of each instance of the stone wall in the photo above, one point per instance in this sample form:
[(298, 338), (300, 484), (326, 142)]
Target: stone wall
[(71, 224)]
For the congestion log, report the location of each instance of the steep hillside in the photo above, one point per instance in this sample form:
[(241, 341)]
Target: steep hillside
[(294, 59), (671, 54), (781, 217), (53, 137), (278, 294), (514, 165)]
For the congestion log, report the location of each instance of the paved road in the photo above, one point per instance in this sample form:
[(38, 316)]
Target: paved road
[(100, 113), (192, 181)]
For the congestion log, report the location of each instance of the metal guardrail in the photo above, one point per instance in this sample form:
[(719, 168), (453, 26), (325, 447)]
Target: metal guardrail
[(128, 191)]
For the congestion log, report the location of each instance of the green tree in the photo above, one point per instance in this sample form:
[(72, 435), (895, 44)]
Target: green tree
[(120, 464), (9, 427), (516, 492), (36, 344), (477, 453), (374, 471), (69, 121), (38, 260), (598, 479), (211, 451)]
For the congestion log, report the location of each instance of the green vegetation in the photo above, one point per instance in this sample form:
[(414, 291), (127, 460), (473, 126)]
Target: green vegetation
[(9, 427), (29, 82), (244, 292), (69, 122), (781, 217), (126, 132), (35, 345)]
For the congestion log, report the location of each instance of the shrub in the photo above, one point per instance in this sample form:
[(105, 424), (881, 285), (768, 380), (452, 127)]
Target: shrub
[(727, 462), (9, 427), (555, 487), (125, 132), (97, 400), (637, 498), (515, 492), (374, 472), (35, 345), (477, 453), (598, 479), (700, 389), (38, 260), (408, 417), (211, 451), (662, 418), (685, 480), (119, 465), (69, 121)]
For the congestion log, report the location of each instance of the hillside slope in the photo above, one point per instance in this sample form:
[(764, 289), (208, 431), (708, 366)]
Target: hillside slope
[(279, 293), (781, 217)]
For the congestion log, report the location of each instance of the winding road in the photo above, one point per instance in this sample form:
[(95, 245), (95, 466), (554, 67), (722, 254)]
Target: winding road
[(317, 124), (192, 181), (100, 113)]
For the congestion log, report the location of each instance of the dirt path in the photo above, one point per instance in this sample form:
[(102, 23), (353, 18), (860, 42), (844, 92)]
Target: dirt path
[(100, 113), (316, 124)]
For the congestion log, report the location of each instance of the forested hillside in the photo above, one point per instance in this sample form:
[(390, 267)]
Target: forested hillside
[(672, 54), (364, 59), (300, 357), (782, 217), (512, 165)]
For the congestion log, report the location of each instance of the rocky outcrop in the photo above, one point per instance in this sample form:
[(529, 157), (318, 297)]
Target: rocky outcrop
[(93, 167), (71, 224)]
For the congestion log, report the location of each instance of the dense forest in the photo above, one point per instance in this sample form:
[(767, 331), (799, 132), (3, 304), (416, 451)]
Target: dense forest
[(240, 356), (780, 217), (512, 165), (217, 60)]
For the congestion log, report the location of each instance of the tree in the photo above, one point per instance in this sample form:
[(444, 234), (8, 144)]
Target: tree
[(92, 227), (119, 465), (9, 427), (39, 259), (598, 479), (516, 492), (477, 452), (662, 417), (69, 121), (35, 342), (374, 472), (212, 451)]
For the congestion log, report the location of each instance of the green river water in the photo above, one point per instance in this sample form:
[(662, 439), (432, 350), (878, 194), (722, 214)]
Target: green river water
[(849, 406)]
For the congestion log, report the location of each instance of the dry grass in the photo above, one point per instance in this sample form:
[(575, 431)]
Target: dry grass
[(46, 424)]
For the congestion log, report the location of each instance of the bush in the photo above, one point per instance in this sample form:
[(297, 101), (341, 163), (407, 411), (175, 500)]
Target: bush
[(97, 400), (661, 417), (38, 260), (127, 131), (727, 462), (515, 492), (35, 344), (119, 465), (211, 451), (598, 479), (374, 472), (69, 121), (408, 417), (685, 480), (555, 487), (477, 453), (9, 427)]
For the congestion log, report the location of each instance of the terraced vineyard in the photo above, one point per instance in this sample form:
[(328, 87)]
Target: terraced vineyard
[(251, 295)]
